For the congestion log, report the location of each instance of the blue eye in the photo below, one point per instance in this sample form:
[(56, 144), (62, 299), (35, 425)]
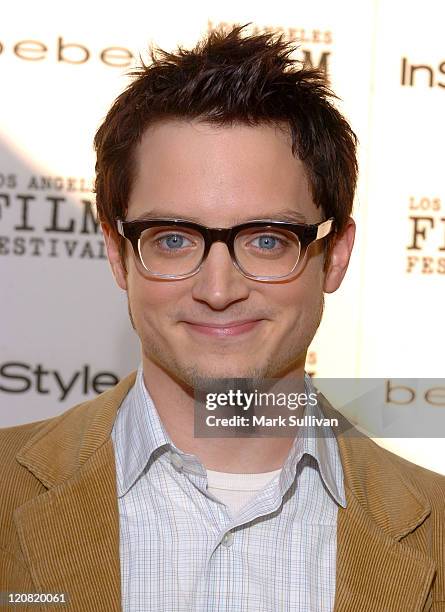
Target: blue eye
[(173, 241), (266, 242)]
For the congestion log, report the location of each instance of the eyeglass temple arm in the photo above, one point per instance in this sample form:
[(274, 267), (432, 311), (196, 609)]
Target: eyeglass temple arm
[(324, 228)]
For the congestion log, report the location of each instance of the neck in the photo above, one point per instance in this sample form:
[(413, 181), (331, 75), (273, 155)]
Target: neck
[(174, 402)]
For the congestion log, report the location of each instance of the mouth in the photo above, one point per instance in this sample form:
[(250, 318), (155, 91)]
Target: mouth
[(223, 330)]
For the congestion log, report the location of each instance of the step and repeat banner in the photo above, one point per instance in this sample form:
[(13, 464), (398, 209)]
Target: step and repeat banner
[(65, 331)]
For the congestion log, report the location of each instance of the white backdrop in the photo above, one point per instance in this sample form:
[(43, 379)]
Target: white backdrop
[(65, 334)]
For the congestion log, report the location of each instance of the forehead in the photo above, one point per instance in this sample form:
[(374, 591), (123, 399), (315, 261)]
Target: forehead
[(220, 175)]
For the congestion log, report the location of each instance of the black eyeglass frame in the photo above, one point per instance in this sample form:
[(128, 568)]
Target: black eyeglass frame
[(306, 234)]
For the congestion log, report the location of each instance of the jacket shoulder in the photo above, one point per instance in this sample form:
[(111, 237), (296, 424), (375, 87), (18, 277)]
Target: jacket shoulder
[(12, 438), (431, 484)]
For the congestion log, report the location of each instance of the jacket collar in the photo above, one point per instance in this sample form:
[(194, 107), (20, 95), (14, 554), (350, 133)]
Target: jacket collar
[(70, 533)]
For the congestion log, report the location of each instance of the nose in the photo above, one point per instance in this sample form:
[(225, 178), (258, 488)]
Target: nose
[(218, 283)]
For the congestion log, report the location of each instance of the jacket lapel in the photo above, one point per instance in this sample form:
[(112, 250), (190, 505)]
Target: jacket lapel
[(376, 570), (70, 534)]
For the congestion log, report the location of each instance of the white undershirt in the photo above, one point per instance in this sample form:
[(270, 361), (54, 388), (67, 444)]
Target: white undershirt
[(235, 490)]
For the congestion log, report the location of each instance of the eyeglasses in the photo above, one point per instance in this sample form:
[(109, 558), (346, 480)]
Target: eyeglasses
[(261, 250)]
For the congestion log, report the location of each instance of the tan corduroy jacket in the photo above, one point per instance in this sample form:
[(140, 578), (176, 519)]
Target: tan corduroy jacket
[(59, 521)]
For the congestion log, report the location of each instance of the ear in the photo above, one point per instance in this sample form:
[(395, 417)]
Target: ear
[(114, 258), (340, 255)]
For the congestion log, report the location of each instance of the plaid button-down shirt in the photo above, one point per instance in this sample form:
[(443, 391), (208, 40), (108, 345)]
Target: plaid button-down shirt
[(181, 550)]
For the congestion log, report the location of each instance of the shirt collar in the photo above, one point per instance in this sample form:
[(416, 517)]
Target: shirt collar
[(138, 432), (321, 444)]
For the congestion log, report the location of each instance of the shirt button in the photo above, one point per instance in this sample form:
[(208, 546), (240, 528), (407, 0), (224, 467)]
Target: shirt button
[(227, 539), (176, 460)]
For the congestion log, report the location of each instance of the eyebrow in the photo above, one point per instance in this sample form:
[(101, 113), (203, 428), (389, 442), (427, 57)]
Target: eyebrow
[(287, 214)]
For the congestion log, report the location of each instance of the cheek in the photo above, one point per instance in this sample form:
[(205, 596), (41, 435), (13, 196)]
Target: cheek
[(300, 294), (301, 299), (152, 300), (296, 304)]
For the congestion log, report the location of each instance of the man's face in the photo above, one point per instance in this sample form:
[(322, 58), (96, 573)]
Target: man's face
[(220, 177)]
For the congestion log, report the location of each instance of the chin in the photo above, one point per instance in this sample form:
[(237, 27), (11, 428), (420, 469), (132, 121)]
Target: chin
[(226, 371), (197, 376)]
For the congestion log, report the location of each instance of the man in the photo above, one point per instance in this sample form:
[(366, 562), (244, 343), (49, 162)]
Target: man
[(116, 502)]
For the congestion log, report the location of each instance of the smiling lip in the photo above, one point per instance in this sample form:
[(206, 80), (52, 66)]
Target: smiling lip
[(232, 328)]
